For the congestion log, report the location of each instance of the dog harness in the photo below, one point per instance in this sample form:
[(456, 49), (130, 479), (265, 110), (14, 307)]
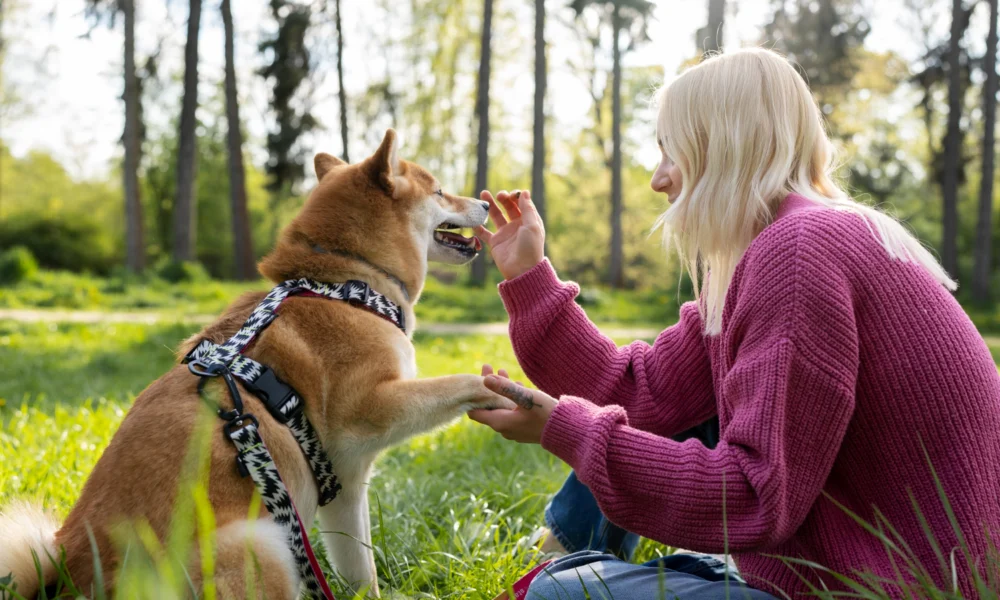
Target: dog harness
[(226, 360)]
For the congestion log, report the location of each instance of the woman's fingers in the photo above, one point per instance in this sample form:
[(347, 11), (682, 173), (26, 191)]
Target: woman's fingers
[(509, 202), (503, 373), (498, 419), (485, 235), (496, 215), (487, 370), (521, 395), (527, 209)]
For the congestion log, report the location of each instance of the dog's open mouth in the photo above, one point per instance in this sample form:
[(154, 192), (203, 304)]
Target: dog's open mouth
[(450, 235)]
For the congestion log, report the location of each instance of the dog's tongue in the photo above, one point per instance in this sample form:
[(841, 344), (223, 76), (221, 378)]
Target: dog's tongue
[(456, 237)]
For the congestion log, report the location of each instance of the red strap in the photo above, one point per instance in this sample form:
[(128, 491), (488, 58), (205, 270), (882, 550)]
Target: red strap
[(313, 563), (520, 587)]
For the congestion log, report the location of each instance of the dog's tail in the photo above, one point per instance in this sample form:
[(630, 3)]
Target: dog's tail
[(27, 534)]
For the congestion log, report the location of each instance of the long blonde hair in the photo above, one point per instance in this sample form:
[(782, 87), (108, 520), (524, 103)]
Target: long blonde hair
[(745, 132)]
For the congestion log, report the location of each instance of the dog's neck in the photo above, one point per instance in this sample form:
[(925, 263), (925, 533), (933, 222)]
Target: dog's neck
[(358, 258)]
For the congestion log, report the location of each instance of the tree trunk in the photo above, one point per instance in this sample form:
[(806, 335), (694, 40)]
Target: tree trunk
[(952, 147), (984, 228), (341, 94), (135, 244), (538, 148), (710, 36), (483, 115), (242, 242), (616, 271), (184, 205)]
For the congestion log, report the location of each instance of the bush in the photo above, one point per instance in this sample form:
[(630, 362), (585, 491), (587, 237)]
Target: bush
[(181, 271), (71, 242), (16, 265)]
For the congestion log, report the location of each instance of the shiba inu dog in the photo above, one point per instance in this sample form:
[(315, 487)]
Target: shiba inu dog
[(378, 221)]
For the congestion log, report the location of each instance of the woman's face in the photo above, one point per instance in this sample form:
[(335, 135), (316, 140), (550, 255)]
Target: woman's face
[(667, 177)]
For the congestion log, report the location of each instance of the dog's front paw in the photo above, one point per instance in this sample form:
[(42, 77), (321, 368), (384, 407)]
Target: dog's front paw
[(494, 403), (485, 399)]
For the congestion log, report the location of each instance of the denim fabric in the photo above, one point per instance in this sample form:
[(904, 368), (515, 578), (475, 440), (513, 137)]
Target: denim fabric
[(593, 575), (596, 568), (575, 520)]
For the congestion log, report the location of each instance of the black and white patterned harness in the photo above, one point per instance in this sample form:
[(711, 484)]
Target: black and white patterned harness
[(226, 360)]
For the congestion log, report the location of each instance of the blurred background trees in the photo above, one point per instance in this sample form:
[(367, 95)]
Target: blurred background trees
[(215, 145)]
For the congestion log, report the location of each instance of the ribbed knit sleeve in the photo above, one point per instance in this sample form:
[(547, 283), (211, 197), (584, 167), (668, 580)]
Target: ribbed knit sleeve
[(665, 388), (786, 397)]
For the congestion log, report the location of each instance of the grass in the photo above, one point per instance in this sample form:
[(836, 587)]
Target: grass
[(440, 302), (455, 508)]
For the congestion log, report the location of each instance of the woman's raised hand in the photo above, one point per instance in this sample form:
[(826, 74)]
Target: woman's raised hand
[(519, 241)]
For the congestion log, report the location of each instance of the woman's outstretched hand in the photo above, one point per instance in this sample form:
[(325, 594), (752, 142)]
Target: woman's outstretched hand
[(519, 241), (523, 424)]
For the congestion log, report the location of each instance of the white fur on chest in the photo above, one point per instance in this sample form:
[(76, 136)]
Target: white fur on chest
[(406, 357)]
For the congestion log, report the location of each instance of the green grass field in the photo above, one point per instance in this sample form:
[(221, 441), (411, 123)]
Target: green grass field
[(453, 511), (456, 507)]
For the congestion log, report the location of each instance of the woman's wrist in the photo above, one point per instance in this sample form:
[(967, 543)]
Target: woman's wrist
[(523, 268)]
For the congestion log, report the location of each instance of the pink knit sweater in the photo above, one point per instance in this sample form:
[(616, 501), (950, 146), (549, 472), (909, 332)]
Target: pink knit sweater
[(839, 377)]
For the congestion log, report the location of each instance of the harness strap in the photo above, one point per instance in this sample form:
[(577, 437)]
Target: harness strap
[(254, 456), (284, 404)]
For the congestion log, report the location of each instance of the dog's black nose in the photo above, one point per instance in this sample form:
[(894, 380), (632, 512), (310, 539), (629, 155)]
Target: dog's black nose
[(486, 205)]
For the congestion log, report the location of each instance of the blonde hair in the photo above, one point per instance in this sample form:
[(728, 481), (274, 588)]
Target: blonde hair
[(745, 132)]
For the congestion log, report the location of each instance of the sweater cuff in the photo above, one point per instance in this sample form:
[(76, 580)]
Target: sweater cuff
[(576, 426), (524, 291)]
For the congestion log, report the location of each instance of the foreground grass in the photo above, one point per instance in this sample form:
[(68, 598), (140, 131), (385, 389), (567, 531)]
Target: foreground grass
[(453, 511)]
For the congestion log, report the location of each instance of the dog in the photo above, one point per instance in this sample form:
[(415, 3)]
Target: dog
[(378, 221)]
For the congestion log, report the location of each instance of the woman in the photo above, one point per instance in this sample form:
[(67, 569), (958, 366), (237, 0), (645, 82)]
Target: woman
[(845, 376)]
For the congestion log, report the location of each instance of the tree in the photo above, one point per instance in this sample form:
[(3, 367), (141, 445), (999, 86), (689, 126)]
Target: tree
[(821, 38), (538, 134), (483, 118), (984, 227), (242, 242), (289, 67), (341, 92), (952, 145), (632, 17), (184, 205), (709, 37), (135, 244)]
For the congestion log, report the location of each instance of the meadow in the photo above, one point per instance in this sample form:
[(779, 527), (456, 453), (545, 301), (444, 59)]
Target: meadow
[(455, 512), (458, 509)]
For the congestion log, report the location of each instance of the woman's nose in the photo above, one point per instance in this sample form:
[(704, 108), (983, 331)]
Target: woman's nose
[(659, 183)]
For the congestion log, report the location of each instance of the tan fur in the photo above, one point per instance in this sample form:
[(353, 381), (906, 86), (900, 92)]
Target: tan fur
[(352, 368)]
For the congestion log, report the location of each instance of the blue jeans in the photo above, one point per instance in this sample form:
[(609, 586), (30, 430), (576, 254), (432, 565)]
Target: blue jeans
[(598, 567)]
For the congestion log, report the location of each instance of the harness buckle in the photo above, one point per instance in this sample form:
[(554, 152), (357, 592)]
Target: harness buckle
[(203, 369), (278, 397), (234, 424), (366, 292)]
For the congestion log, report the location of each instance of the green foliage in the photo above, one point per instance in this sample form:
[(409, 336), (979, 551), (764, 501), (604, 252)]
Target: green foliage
[(16, 265), (173, 271), (288, 68), (58, 241)]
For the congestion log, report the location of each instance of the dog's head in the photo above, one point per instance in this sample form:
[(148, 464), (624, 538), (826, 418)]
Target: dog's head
[(387, 210)]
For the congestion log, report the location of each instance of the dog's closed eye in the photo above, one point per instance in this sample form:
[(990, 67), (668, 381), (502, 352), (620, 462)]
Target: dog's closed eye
[(439, 192)]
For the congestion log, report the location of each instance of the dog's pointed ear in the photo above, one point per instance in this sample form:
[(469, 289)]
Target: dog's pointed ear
[(384, 164), (324, 162)]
